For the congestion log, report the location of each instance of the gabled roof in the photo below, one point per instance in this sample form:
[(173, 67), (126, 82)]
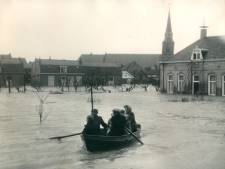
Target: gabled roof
[(215, 45), (58, 62), (120, 59)]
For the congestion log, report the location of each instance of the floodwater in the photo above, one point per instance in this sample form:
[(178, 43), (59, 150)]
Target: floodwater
[(176, 135)]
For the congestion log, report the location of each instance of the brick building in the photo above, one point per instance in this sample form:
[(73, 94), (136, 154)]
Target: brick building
[(11, 71), (197, 69), (52, 72), (138, 65)]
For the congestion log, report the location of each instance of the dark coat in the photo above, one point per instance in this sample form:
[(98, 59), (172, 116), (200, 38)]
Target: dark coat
[(93, 125), (131, 122), (117, 125)]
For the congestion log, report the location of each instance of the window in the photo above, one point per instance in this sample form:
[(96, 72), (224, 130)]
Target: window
[(170, 84), (212, 85), (180, 82), (223, 85), (196, 78), (63, 69), (196, 54)]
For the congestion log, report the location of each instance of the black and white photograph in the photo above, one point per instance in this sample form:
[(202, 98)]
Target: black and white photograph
[(112, 84)]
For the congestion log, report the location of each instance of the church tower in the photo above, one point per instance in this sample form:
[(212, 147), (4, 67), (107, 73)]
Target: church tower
[(168, 43)]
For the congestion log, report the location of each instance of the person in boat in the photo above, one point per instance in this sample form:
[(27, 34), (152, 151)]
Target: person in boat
[(130, 117), (89, 127), (117, 124), (94, 123)]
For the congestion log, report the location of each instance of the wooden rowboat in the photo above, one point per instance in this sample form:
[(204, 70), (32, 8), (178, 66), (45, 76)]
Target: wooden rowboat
[(103, 143)]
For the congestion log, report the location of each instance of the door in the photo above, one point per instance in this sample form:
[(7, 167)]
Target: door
[(51, 81), (196, 85), (170, 85), (196, 88)]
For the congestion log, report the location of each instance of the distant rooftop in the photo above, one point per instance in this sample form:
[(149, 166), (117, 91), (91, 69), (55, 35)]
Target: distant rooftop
[(144, 60), (5, 56), (8, 59), (59, 62)]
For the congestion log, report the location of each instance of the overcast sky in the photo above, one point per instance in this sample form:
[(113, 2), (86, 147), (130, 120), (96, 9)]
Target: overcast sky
[(67, 28)]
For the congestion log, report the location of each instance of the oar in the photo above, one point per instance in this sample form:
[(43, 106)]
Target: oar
[(60, 137), (134, 136)]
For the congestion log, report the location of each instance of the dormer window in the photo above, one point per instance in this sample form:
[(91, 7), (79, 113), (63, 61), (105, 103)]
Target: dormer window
[(196, 54)]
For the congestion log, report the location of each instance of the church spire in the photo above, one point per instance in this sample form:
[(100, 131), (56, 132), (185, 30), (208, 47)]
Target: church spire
[(168, 27), (168, 43)]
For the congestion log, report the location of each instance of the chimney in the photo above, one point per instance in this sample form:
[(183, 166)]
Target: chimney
[(203, 32)]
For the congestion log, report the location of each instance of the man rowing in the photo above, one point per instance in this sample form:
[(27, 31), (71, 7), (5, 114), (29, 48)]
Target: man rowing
[(94, 123)]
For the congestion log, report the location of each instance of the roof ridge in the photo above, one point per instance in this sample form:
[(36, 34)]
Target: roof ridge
[(105, 54), (216, 36)]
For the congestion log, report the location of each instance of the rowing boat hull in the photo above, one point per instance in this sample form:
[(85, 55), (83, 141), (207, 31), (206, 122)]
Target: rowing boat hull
[(103, 143)]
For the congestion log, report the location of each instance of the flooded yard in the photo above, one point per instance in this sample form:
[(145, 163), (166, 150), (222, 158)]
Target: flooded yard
[(176, 135)]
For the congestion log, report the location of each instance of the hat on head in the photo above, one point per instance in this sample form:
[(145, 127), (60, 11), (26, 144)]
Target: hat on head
[(95, 111), (116, 111)]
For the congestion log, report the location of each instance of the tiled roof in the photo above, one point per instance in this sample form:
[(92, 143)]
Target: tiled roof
[(59, 62), (121, 59), (214, 44)]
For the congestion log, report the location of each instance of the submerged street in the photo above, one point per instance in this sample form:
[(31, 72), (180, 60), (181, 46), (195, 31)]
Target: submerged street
[(176, 135)]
